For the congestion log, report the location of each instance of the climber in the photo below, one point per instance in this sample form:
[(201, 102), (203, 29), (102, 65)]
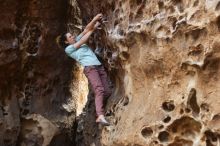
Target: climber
[(76, 48)]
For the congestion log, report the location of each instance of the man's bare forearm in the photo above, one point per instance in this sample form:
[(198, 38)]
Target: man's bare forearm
[(93, 22), (86, 36), (84, 39)]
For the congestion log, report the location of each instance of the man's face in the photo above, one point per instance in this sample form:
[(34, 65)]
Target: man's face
[(70, 39)]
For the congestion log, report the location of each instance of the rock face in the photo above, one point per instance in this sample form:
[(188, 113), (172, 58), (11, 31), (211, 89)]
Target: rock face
[(162, 58)]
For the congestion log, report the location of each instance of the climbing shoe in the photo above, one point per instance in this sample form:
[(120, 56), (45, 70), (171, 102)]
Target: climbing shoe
[(101, 120)]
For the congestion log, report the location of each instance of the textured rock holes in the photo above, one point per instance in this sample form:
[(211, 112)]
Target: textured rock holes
[(123, 101), (167, 119), (218, 22), (124, 55), (111, 57), (139, 5), (160, 127), (180, 132), (160, 4), (31, 133), (163, 136), (28, 93), (185, 126), (196, 3), (216, 117), (168, 106), (211, 138), (140, 10), (183, 130), (196, 34), (217, 6), (8, 137), (137, 2), (204, 107), (196, 50), (192, 102), (146, 132), (163, 31), (179, 4), (116, 23), (154, 68), (181, 111), (126, 101), (178, 141), (173, 21), (170, 9), (31, 39), (4, 110)]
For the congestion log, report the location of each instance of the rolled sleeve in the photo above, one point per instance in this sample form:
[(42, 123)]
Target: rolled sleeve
[(70, 49)]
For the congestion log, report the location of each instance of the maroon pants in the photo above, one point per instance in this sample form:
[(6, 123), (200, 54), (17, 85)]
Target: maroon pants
[(98, 79)]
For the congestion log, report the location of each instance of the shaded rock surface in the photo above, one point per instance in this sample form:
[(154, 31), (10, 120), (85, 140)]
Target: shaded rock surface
[(36, 77), (162, 58)]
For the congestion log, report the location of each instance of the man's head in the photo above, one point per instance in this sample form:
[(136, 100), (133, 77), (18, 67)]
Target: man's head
[(70, 39), (65, 39)]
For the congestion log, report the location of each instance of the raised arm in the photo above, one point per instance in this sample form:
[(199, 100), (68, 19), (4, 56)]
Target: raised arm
[(91, 24), (86, 36)]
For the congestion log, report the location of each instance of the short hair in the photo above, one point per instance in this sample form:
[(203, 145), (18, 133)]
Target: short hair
[(60, 40)]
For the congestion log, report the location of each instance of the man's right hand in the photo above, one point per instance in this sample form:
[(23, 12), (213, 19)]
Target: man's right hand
[(92, 25), (98, 17)]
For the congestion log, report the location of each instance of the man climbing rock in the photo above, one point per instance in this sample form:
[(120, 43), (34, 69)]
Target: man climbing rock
[(76, 48)]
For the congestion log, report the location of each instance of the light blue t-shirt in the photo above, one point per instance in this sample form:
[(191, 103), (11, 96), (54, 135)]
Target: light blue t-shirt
[(84, 55)]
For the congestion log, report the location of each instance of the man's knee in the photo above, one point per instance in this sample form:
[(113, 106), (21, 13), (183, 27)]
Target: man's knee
[(108, 93), (99, 91)]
